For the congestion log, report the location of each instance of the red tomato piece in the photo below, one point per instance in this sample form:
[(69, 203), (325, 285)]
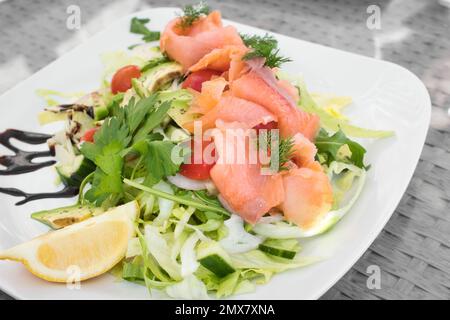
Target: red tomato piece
[(121, 80), (195, 79), (89, 135), (199, 168), (268, 126)]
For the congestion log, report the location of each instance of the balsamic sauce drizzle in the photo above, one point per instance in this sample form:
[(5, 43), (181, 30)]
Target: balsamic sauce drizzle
[(22, 162), (67, 192)]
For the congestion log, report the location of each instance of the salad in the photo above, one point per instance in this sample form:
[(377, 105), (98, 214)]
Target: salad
[(220, 161)]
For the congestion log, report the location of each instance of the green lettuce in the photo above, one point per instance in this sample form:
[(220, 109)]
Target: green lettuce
[(328, 121)]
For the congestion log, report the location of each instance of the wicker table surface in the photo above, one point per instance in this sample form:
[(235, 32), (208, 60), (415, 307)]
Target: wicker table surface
[(413, 250)]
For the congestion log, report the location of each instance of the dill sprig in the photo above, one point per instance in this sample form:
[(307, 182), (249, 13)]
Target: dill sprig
[(192, 13), (266, 47), (285, 149)]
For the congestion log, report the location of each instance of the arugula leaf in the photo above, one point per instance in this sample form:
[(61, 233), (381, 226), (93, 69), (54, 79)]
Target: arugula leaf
[(138, 26), (187, 199), (158, 161), (333, 148), (265, 47), (192, 13), (206, 198)]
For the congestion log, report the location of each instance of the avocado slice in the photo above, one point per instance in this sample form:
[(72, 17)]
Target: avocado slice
[(62, 217), (156, 77)]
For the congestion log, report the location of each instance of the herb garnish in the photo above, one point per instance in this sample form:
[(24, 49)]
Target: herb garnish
[(138, 26), (265, 47), (285, 148), (192, 13), (128, 130)]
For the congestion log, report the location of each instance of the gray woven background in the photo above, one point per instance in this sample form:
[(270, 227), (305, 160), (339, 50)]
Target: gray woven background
[(413, 250)]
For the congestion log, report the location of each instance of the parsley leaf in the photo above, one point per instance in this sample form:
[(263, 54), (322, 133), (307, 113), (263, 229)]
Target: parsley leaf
[(158, 161), (152, 121), (138, 26), (192, 13), (339, 147), (110, 140), (265, 47)]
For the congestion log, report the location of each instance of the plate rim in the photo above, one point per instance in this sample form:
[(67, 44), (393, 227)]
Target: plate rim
[(364, 246)]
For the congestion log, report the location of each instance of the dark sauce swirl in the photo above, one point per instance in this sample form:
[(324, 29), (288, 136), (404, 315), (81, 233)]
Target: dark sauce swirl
[(23, 162)]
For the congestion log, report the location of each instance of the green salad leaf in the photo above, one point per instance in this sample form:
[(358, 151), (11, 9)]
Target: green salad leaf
[(138, 26), (337, 147), (327, 121), (158, 161), (187, 198)]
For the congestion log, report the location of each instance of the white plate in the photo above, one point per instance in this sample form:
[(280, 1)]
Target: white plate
[(386, 96)]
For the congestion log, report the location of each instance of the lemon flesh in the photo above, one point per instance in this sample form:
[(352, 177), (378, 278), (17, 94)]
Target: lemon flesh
[(80, 251)]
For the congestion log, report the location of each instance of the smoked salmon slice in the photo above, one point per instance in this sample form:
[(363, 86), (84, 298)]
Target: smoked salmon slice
[(188, 46), (308, 195), (240, 182), (227, 59), (210, 95), (260, 86), (303, 151), (232, 109)]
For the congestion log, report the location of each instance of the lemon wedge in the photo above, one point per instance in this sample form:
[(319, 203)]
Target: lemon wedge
[(80, 251)]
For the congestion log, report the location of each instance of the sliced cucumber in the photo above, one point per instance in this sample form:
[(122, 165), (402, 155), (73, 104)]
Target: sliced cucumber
[(61, 217), (214, 258), (280, 248), (73, 174)]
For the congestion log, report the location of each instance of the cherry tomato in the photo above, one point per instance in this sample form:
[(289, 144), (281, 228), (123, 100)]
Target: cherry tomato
[(121, 80), (195, 79), (268, 126), (89, 135), (199, 171)]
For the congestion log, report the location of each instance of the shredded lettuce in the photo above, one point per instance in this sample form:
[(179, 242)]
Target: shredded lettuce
[(237, 239), (228, 285), (189, 288), (327, 120), (160, 250), (259, 261), (165, 205), (188, 256), (50, 95), (332, 104), (183, 220), (115, 60), (134, 248), (347, 181)]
